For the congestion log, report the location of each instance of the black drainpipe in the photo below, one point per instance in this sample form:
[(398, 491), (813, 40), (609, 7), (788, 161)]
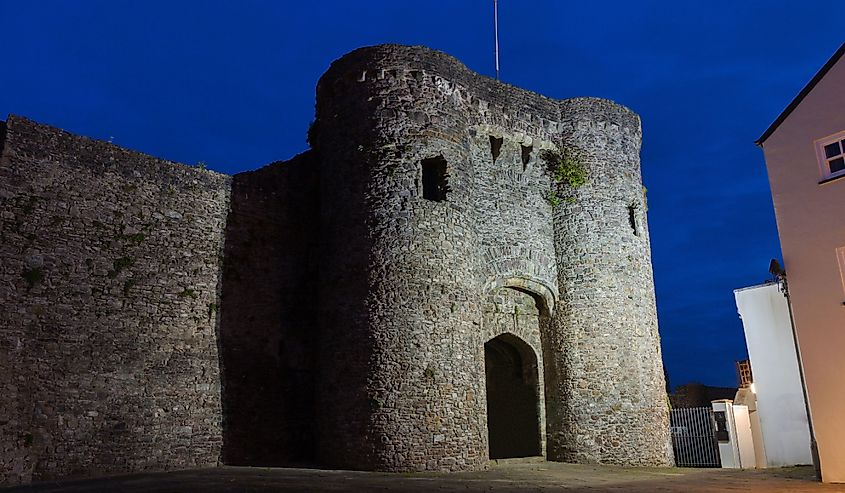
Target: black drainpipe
[(814, 449)]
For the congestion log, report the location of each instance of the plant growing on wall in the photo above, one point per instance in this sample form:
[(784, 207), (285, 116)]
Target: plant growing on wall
[(566, 168)]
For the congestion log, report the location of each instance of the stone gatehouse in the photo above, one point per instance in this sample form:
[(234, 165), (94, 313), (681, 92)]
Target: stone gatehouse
[(404, 296)]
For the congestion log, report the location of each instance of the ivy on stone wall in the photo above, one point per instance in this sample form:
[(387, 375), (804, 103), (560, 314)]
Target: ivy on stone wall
[(566, 168)]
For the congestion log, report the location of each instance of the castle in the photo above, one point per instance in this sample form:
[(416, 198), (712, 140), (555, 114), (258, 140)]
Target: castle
[(404, 296)]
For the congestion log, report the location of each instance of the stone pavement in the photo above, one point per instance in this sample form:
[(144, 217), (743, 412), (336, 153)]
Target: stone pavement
[(512, 475)]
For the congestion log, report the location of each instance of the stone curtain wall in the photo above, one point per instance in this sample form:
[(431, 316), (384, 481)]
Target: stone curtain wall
[(269, 305), (404, 277), (109, 279)]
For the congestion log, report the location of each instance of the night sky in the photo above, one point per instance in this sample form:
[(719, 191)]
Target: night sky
[(231, 84)]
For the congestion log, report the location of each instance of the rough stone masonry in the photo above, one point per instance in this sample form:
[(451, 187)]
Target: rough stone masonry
[(404, 296)]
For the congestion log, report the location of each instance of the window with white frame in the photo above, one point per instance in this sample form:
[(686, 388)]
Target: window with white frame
[(831, 153)]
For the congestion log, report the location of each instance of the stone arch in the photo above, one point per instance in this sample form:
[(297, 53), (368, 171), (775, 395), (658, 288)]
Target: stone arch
[(515, 417), (544, 292), (516, 311)]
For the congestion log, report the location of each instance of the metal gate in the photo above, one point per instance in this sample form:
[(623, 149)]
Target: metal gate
[(694, 438)]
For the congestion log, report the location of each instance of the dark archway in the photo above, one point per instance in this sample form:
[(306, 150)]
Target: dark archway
[(513, 415)]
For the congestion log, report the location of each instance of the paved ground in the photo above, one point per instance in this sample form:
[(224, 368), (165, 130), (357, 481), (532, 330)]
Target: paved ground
[(507, 476)]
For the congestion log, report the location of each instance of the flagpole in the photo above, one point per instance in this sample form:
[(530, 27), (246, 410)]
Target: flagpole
[(496, 31)]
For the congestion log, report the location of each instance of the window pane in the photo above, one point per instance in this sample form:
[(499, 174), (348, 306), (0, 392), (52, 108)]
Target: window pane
[(831, 150), (837, 164)]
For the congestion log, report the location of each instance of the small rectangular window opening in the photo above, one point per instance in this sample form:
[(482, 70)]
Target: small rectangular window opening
[(435, 179), (496, 146)]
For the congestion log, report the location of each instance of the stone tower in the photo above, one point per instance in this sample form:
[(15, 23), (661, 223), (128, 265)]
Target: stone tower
[(443, 258)]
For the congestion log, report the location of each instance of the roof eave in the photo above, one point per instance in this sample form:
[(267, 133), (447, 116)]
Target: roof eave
[(801, 95)]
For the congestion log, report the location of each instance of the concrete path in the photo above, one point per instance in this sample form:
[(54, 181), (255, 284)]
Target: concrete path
[(506, 476)]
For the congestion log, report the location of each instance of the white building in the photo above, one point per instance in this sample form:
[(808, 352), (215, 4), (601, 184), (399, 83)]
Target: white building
[(777, 384)]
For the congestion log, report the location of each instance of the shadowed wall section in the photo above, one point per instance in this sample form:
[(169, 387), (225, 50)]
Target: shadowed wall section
[(108, 283), (268, 327)]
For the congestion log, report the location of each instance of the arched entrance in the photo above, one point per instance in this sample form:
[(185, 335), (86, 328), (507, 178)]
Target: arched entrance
[(513, 400)]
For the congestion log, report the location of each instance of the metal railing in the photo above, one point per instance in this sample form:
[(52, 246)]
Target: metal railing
[(694, 438)]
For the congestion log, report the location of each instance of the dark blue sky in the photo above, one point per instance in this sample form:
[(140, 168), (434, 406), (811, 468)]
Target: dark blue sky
[(232, 84)]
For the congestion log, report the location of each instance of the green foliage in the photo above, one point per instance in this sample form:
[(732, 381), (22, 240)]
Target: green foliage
[(552, 198), (212, 309), (429, 374), (188, 292), (566, 168), (201, 165), (33, 276)]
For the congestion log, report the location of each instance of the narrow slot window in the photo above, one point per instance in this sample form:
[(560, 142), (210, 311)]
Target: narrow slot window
[(434, 179), (496, 146), (526, 155), (632, 219)]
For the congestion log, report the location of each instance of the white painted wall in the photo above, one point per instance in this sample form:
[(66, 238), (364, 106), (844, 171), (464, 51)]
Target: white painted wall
[(728, 449), (744, 437), (737, 452), (745, 397), (771, 349)]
